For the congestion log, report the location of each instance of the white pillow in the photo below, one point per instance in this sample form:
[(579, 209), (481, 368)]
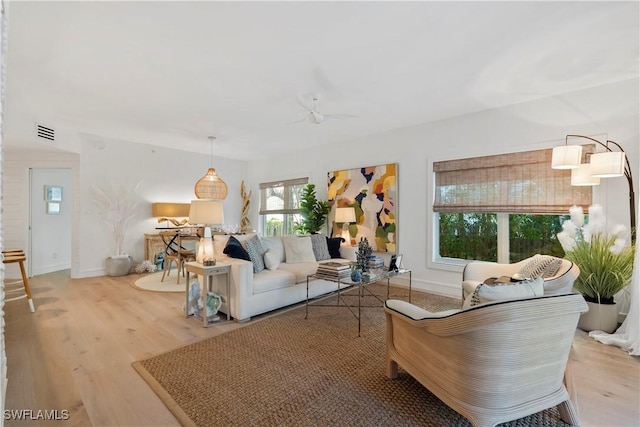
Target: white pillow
[(274, 246), (511, 291), (298, 249), (271, 259)]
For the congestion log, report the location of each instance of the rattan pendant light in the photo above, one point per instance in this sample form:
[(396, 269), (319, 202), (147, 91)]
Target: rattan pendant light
[(211, 186)]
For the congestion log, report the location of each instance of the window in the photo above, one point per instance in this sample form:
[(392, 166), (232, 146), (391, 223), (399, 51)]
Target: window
[(280, 206), (503, 208)]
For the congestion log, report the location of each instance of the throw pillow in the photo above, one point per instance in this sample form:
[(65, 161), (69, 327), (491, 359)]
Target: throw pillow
[(298, 249), (235, 250), (271, 259), (333, 244), (256, 253), (320, 247), (505, 291), (540, 266)]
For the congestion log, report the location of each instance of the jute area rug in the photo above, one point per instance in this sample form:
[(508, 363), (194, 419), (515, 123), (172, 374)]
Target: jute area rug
[(288, 371)]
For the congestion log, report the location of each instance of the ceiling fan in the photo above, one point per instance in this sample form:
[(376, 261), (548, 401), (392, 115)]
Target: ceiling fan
[(316, 117)]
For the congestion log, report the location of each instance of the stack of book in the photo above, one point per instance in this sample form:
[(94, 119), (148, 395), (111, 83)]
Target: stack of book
[(375, 262), (336, 270)]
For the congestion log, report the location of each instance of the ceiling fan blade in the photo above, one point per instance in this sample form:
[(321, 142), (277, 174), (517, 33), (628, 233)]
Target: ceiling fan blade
[(341, 116)]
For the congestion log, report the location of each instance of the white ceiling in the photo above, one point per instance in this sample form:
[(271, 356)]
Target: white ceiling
[(173, 73)]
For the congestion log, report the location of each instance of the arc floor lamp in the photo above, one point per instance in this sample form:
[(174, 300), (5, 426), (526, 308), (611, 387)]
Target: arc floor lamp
[(606, 164)]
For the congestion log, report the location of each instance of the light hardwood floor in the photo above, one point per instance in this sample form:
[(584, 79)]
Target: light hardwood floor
[(75, 354)]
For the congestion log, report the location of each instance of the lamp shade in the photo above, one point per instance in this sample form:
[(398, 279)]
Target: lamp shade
[(211, 186), (608, 165), (206, 212), (170, 210), (566, 157), (345, 215), (582, 176)]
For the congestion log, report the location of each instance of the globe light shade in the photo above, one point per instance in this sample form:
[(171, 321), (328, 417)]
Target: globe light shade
[(581, 176), (608, 165), (211, 186), (566, 157)]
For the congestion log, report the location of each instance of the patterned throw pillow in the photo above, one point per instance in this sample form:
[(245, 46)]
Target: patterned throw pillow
[(320, 247), (235, 250), (541, 266), (256, 253)]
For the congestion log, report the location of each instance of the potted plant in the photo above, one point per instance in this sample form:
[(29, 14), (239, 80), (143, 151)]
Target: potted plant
[(605, 260), (117, 207), (313, 212)]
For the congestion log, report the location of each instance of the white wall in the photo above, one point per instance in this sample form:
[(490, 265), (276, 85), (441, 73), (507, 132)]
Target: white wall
[(158, 175), (611, 109)]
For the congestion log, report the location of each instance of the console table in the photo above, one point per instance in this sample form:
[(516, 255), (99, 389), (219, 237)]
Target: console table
[(208, 272), (346, 283)]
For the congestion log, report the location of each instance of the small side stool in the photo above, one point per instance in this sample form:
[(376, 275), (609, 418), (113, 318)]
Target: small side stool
[(9, 257)]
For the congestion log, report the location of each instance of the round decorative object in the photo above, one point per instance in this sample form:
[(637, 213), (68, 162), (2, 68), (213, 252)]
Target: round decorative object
[(214, 301), (118, 265), (211, 186)]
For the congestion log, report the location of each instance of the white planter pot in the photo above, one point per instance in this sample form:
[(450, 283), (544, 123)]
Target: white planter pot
[(600, 317), (118, 265)]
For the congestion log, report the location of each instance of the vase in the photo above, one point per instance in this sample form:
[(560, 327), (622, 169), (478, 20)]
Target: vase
[(356, 274), (214, 301), (118, 265), (600, 317)]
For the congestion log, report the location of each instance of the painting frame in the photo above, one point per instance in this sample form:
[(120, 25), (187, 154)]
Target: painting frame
[(373, 192)]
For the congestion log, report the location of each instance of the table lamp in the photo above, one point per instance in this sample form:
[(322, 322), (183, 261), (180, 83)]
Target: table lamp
[(345, 216), (206, 212)]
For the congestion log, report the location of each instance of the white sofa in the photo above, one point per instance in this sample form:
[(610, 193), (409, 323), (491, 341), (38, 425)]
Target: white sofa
[(284, 284)]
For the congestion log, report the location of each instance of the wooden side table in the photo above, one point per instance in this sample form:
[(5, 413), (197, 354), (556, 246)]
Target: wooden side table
[(208, 272)]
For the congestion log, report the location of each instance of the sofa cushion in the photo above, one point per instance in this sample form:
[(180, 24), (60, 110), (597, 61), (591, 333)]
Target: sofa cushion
[(256, 253), (301, 269), (274, 247), (235, 250), (333, 244), (268, 280), (298, 249), (271, 260), (504, 291), (320, 247), (220, 240), (540, 266)]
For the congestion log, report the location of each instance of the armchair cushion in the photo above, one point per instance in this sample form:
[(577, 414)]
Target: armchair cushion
[(485, 293)]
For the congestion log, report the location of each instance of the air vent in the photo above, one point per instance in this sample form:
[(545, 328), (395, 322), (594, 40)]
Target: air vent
[(44, 132)]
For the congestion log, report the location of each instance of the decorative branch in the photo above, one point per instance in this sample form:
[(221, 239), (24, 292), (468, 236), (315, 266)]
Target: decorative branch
[(245, 223)]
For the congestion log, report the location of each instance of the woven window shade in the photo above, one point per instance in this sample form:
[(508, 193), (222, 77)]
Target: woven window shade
[(281, 197), (511, 183)]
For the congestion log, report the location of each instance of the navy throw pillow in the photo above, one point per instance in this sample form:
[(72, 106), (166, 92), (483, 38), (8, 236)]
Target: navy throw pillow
[(334, 246), (235, 250)]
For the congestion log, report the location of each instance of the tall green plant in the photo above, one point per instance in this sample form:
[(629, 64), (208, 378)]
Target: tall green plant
[(603, 272), (313, 211)]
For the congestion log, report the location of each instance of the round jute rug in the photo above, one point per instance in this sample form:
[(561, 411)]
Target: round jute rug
[(151, 282)]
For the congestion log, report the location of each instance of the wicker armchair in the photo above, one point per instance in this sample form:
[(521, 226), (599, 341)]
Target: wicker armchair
[(491, 363)]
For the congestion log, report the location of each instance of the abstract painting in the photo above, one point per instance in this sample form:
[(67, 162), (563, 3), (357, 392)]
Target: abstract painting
[(373, 192)]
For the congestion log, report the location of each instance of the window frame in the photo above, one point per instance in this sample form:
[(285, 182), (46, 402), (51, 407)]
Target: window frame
[(288, 209)]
